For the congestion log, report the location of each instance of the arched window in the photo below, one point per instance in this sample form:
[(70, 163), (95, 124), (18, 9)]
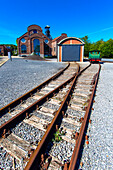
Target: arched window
[(23, 40), (34, 31), (36, 44), (23, 49), (46, 41)]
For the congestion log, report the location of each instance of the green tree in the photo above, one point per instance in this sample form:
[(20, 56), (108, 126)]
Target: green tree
[(97, 45), (86, 46), (107, 49)]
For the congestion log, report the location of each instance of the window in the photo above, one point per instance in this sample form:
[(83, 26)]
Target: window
[(23, 40), (46, 41), (0, 50), (36, 44), (34, 31), (54, 49), (23, 49), (8, 47), (46, 49)]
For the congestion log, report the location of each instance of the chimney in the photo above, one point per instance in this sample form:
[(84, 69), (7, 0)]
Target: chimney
[(47, 32)]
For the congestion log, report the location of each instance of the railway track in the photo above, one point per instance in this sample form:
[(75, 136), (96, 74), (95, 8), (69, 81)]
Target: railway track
[(16, 110), (16, 106), (45, 134)]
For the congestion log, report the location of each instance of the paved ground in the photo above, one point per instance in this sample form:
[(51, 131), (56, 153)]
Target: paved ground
[(98, 155), (3, 60), (19, 76)]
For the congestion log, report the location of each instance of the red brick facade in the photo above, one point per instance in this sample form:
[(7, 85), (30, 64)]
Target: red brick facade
[(4, 50), (34, 32), (54, 44), (26, 43)]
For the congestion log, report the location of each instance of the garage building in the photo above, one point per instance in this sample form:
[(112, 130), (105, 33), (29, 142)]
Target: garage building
[(70, 49)]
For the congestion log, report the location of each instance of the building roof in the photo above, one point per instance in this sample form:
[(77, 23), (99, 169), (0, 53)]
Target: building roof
[(58, 39), (55, 39), (31, 27), (68, 38)]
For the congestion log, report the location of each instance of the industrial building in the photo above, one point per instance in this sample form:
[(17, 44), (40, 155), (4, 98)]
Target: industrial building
[(35, 41), (55, 42), (71, 49), (4, 50)]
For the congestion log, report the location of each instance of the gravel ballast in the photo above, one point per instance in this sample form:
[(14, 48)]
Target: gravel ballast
[(19, 76), (98, 154)]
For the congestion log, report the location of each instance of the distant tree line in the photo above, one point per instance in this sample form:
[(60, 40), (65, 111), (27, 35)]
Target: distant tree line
[(105, 47)]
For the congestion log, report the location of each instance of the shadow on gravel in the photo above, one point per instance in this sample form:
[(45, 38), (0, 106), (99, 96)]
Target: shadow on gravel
[(34, 57)]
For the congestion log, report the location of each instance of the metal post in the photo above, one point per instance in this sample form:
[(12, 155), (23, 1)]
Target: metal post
[(9, 56)]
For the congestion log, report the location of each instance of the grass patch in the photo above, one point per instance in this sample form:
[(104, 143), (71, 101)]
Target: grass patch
[(58, 136)]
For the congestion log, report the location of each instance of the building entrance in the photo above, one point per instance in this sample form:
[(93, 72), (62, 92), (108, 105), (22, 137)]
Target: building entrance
[(36, 44)]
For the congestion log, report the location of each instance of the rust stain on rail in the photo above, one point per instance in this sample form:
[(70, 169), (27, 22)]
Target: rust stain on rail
[(76, 152), (34, 161), (20, 116), (28, 94)]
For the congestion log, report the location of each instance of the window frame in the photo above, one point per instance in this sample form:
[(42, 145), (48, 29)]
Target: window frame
[(23, 51), (23, 41)]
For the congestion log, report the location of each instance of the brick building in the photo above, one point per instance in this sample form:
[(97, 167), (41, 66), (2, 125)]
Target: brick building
[(70, 49), (55, 42), (4, 50), (35, 41)]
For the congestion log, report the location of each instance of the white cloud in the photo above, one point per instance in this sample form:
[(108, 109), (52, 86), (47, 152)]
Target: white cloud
[(105, 29)]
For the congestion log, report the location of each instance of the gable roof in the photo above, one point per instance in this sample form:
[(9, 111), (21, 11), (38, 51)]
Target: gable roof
[(55, 39)]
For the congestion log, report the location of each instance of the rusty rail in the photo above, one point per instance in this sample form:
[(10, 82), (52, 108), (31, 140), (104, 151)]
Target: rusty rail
[(28, 94), (20, 116), (34, 161), (73, 163)]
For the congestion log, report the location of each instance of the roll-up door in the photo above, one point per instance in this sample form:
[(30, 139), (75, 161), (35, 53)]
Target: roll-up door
[(71, 53)]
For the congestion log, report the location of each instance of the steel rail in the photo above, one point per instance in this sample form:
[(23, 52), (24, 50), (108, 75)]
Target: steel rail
[(5, 127), (34, 161), (28, 94), (74, 159)]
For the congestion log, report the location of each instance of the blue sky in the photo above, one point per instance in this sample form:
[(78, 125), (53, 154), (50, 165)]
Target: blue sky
[(76, 18)]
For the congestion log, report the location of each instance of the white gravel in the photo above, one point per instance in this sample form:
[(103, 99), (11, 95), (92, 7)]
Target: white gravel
[(19, 76), (98, 155)]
